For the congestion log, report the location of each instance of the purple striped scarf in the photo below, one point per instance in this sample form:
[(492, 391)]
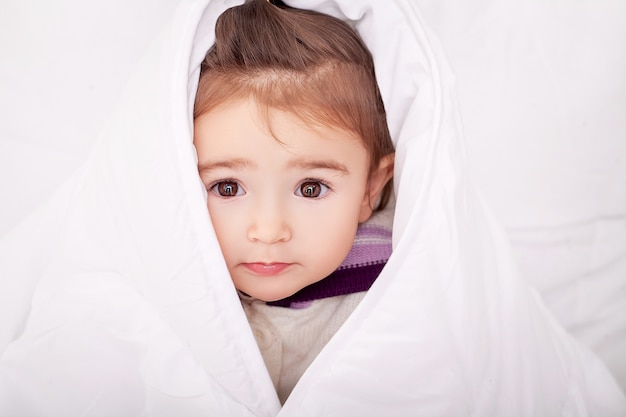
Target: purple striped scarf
[(369, 253)]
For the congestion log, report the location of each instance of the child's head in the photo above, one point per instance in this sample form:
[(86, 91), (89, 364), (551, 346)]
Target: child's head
[(292, 143)]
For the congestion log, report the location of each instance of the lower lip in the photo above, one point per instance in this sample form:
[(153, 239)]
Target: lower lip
[(266, 269)]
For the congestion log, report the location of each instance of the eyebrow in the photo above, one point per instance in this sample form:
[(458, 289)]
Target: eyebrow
[(239, 163), (236, 163), (320, 164)]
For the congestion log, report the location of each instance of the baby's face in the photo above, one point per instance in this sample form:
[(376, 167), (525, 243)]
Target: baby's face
[(285, 214)]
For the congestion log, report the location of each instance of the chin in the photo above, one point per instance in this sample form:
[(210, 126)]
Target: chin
[(268, 295), (272, 296)]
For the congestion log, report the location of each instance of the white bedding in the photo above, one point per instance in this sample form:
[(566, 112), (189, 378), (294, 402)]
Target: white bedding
[(543, 96), (133, 312)]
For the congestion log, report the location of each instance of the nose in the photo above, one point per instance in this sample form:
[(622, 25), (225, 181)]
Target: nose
[(269, 224)]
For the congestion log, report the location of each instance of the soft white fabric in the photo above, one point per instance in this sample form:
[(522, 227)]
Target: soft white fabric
[(64, 66), (543, 98), (133, 312)]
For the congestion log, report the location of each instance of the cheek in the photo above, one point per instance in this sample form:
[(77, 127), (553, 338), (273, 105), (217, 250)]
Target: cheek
[(224, 226), (329, 231), (332, 244)]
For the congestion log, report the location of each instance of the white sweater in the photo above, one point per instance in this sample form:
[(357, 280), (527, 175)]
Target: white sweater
[(291, 338)]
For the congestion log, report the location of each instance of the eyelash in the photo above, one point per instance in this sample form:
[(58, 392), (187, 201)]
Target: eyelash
[(239, 191), (323, 193), (213, 188)]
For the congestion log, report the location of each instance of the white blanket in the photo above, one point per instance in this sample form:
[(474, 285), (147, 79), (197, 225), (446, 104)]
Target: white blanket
[(119, 301), (543, 97)]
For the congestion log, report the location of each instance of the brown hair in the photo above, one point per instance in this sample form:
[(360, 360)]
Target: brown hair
[(308, 63)]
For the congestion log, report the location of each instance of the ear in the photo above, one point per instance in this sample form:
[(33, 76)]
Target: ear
[(375, 185)]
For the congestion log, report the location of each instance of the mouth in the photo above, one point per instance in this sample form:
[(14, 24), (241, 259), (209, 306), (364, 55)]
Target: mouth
[(266, 269)]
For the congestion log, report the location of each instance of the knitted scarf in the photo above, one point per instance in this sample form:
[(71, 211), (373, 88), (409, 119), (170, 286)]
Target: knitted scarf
[(368, 256)]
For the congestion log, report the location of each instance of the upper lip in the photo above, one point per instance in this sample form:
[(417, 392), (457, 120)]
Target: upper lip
[(266, 262)]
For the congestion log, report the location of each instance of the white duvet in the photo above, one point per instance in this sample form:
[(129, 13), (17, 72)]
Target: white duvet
[(118, 302)]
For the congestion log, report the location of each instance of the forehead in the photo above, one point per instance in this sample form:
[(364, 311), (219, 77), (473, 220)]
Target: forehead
[(243, 129)]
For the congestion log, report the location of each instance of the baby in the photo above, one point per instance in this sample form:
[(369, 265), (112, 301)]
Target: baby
[(295, 153)]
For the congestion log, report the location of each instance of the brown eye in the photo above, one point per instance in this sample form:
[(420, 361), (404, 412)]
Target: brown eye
[(227, 189), (311, 189)]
